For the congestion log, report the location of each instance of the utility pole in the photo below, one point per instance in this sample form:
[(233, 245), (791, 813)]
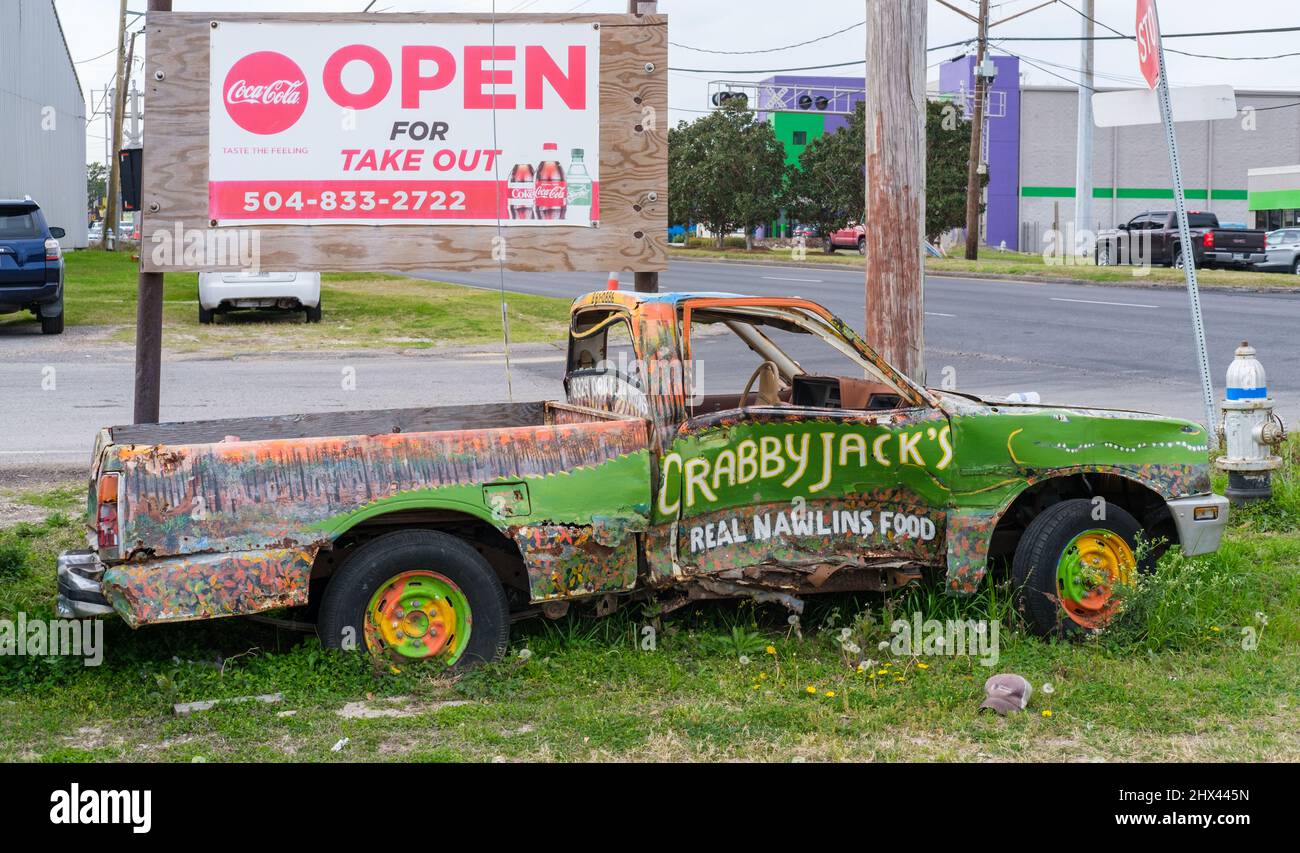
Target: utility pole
[(1083, 162), (123, 73), (644, 282), (894, 219), (975, 168), (148, 310)]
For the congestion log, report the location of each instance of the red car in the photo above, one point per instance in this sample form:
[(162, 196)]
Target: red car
[(851, 236)]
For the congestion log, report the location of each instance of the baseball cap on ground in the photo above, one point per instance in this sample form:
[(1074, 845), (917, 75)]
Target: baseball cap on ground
[(1006, 692)]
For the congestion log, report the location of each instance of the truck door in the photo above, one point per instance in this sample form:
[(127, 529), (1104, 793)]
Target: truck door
[(802, 455)]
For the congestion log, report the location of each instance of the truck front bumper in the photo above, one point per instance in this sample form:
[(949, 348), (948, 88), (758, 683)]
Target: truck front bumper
[(1200, 521), (80, 593)]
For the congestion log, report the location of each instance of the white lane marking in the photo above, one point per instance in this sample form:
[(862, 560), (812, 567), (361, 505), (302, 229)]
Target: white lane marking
[(36, 452), (1100, 302), (937, 314), (779, 278)]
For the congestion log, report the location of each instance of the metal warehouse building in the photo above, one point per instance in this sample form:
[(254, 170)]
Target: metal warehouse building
[(43, 146), (1131, 166)]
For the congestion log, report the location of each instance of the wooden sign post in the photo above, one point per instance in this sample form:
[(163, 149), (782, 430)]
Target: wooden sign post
[(398, 142)]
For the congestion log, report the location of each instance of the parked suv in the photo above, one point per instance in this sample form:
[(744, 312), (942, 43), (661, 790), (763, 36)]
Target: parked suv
[(31, 264)]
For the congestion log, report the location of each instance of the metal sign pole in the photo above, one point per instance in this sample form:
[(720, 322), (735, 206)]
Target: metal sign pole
[(1185, 243)]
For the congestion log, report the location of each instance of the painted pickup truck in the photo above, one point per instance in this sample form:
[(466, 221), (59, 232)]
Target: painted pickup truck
[(423, 533)]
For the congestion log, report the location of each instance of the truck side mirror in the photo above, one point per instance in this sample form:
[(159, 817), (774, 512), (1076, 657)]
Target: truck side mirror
[(57, 233), (1123, 226)]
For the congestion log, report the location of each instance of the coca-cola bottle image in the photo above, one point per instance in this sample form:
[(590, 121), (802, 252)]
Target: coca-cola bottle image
[(551, 190), (521, 191), (579, 186)]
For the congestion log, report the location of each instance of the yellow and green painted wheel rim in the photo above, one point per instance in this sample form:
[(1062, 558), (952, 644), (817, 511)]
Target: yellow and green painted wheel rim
[(418, 615), (1092, 565)]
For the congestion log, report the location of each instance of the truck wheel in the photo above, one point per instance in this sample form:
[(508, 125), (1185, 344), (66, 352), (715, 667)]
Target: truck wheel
[(206, 316), (1067, 563), (417, 595), (313, 312), (1103, 256), (1295, 265), (862, 246), (1178, 259), (828, 246)]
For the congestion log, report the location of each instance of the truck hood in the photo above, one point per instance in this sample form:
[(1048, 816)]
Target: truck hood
[(1030, 440)]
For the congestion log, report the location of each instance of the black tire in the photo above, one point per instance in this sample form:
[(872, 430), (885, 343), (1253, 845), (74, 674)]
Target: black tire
[(828, 245), (1041, 547), (1295, 265), (1103, 256), (342, 610), (206, 316), (52, 325), (862, 246), (313, 312), (1178, 259)]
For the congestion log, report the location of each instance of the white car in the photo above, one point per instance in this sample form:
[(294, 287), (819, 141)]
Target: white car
[(289, 291)]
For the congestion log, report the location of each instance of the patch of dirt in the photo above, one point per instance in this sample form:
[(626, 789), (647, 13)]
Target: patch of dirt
[(394, 707)]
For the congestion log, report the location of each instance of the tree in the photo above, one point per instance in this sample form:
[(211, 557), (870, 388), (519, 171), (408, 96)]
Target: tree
[(725, 171), (96, 184), (828, 189), (947, 149)]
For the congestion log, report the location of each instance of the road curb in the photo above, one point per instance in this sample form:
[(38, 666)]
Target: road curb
[(1031, 279)]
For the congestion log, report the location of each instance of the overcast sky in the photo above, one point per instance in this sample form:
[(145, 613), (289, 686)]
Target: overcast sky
[(737, 25)]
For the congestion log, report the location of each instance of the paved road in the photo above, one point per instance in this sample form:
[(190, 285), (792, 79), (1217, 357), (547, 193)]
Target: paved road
[(1122, 346), (1117, 346)]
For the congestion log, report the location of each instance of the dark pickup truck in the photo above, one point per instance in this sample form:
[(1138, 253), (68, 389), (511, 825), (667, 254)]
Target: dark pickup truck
[(1151, 238)]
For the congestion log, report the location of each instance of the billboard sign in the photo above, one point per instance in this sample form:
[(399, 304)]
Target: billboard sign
[(319, 123)]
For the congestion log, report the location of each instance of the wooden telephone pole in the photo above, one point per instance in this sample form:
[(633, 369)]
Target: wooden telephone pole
[(894, 219), (973, 167), (644, 282), (113, 202)]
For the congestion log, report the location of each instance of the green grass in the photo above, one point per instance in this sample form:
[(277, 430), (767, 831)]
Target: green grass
[(361, 310), (1011, 264), (1192, 671)]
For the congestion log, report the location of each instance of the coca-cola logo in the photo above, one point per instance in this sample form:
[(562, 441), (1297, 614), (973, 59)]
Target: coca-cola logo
[(552, 191), (265, 92)]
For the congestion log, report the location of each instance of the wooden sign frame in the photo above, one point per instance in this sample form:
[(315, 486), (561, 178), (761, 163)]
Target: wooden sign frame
[(631, 236)]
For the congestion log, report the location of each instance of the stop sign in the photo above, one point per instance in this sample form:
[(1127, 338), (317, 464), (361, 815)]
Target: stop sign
[(1148, 41)]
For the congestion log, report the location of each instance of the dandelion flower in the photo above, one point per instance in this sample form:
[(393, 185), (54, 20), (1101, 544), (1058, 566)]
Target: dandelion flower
[(1048, 689), (525, 654), (1214, 628), (845, 633), (922, 666), (883, 672), (762, 676), (830, 694), (1047, 712), (811, 690), (744, 660), (883, 644), (900, 678), (771, 650)]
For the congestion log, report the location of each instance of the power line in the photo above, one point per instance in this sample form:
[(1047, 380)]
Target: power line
[(1264, 31), (1184, 52), (802, 68), (770, 49)]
